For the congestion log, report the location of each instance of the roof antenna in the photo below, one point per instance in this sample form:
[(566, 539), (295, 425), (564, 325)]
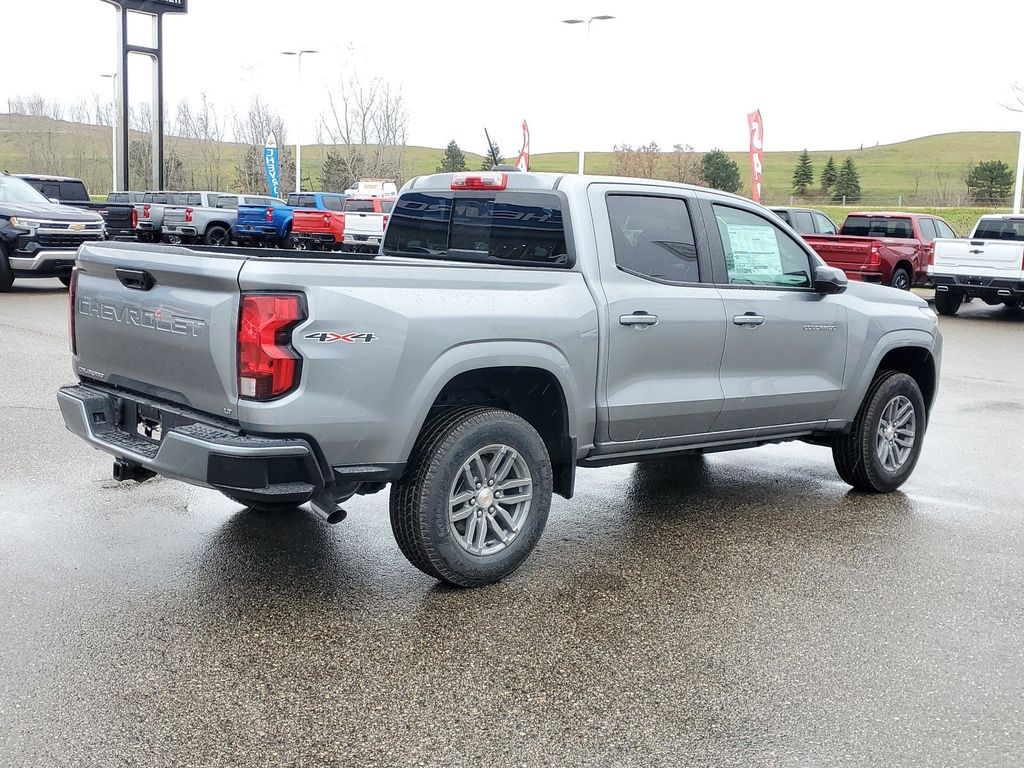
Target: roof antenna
[(495, 160)]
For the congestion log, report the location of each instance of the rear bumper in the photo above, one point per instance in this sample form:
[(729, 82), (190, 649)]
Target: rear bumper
[(183, 231), (197, 451), (373, 240), (250, 230), (148, 226), (982, 287)]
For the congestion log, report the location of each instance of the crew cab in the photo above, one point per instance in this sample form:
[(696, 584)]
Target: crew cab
[(806, 221), (39, 238), (365, 220), (988, 265), (149, 214), (272, 224), (888, 248), (513, 327), (118, 218)]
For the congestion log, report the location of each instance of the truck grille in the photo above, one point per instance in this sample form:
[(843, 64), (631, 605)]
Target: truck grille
[(66, 239)]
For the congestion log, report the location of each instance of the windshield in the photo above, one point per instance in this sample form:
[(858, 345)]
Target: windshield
[(17, 191)]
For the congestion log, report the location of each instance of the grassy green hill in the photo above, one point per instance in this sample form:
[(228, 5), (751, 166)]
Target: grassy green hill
[(920, 170)]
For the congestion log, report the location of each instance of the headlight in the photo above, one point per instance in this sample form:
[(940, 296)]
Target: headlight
[(26, 223)]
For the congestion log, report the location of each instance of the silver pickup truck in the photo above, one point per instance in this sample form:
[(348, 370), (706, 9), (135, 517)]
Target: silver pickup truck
[(515, 326), (206, 217)]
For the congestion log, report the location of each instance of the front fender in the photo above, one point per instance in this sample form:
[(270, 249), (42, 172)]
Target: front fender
[(857, 385)]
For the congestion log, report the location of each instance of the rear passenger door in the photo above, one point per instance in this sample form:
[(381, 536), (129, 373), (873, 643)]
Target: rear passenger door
[(665, 319), (785, 346)]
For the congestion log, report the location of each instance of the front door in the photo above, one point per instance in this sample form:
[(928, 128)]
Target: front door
[(665, 319), (786, 344)]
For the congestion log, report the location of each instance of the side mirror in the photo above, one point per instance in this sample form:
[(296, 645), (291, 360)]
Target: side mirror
[(54, 200), (829, 279)]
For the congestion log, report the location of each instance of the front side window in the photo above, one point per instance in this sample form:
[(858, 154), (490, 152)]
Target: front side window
[(73, 191), (759, 253), (331, 203), (927, 229), (224, 201), (824, 224), (652, 238), (944, 229), (507, 227)]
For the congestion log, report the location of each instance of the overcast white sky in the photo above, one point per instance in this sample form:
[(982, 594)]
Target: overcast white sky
[(825, 75)]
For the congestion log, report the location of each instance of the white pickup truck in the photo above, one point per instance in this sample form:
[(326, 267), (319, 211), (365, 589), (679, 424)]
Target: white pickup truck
[(366, 218), (988, 265)]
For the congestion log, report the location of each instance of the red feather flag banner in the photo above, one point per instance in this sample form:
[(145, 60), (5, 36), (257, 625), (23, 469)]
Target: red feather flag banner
[(756, 127), (523, 161)]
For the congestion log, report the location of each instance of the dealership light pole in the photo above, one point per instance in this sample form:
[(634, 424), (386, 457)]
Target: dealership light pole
[(586, 62), (298, 123), (113, 134)]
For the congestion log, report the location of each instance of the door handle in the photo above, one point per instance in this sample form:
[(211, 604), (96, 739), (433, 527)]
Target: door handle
[(639, 319), (748, 319)]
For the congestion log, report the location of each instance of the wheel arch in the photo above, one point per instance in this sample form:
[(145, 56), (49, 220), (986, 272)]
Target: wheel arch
[(531, 379)]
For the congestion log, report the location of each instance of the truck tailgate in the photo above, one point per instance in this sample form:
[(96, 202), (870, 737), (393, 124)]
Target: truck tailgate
[(160, 321), (990, 257), (843, 251), (364, 224), (311, 221)]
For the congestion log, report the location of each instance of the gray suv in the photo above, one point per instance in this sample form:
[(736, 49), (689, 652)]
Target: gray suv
[(513, 327)]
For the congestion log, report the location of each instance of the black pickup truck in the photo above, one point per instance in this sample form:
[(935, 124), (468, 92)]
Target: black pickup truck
[(119, 217), (39, 238)]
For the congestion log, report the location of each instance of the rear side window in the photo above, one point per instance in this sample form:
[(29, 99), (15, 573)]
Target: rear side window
[(359, 206), (927, 229), (878, 226), (503, 227), (653, 238), (190, 200), (331, 203), (803, 223), (386, 206), (1000, 229)]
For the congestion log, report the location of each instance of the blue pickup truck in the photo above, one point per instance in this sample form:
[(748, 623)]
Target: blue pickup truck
[(270, 225)]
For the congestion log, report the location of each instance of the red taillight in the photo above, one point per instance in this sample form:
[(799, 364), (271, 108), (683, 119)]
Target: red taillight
[(327, 220), (145, 211), (270, 215), (135, 217), (188, 215), (875, 260), (479, 181), (931, 254), (72, 291), (268, 365), (385, 224)]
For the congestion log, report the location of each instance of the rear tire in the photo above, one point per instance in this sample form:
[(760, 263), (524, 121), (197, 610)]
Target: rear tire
[(948, 303), (475, 496), (880, 451), (288, 242), (901, 279), (217, 235)]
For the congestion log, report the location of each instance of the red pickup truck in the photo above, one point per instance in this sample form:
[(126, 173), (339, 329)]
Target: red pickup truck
[(889, 248), (326, 230)]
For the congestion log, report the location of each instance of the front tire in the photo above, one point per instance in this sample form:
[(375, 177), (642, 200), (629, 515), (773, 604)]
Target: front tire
[(6, 273), (475, 496), (948, 303), (881, 450)]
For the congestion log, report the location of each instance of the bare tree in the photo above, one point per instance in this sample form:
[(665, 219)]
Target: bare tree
[(204, 129), (366, 125), (252, 130), (684, 165)]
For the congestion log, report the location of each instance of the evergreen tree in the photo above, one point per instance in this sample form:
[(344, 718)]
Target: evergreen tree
[(453, 161), (720, 171), (847, 182), (989, 182), (803, 174), (494, 152), (335, 175), (829, 174)]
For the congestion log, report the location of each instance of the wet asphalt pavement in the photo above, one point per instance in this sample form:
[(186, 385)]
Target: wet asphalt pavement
[(743, 610)]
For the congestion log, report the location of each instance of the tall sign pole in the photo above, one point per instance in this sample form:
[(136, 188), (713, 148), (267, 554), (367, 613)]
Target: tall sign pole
[(1020, 174), (756, 127), (155, 51)]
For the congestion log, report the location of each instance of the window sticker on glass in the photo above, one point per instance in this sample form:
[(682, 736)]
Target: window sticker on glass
[(755, 252)]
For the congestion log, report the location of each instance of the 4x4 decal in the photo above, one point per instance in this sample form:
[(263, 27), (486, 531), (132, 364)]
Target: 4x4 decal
[(329, 337)]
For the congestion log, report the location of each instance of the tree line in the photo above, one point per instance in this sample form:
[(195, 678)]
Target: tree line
[(362, 134)]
